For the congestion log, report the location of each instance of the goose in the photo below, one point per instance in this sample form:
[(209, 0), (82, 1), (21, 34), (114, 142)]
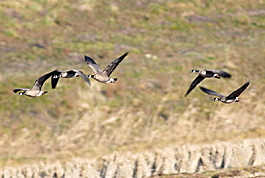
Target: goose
[(103, 76), (35, 90), (208, 73), (232, 97), (67, 74)]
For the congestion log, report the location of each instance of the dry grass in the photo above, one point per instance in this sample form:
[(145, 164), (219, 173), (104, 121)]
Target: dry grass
[(173, 161), (253, 171), (145, 109)]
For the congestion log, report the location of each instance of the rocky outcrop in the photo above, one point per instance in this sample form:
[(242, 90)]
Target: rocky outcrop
[(170, 160)]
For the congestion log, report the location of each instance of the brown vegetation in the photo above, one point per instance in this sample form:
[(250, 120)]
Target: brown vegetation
[(173, 161)]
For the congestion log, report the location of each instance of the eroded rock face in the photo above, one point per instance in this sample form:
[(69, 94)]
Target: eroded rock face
[(170, 160)]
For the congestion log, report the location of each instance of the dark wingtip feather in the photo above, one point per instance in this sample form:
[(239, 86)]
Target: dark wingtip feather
[(89, 60), (189, 90), (247, 83), (206, 90), (203, 88), (124, 55), (87, 57), (225, 74), (228, 75)]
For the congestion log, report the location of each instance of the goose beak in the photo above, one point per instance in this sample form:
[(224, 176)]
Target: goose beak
[(44, 92)]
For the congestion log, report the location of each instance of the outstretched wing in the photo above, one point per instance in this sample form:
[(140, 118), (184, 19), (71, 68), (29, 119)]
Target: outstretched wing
[(55, 78), (93, 65), (83, 76), (40, 81), (20, 89), (194, 83), (220, 73), (112, 66), (210, 92), (237, 92)]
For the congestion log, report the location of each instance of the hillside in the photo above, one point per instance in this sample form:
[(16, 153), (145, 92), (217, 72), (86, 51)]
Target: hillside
[(146, 108)]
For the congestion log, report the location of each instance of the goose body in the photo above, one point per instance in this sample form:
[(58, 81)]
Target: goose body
[(100, 75), (103, 78)]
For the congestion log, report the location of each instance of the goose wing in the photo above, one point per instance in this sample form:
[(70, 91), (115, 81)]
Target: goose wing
[(220, 73), (237, 92), (40, 81), (112, 66), (20, 89), (211, 92), (83, 76), (194, 83), (93, 65), (55, 78)]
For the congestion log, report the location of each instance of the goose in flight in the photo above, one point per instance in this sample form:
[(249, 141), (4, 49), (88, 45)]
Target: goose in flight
[(232, 97), (35, 90), (208, 73), (67, 74), (103, 76)]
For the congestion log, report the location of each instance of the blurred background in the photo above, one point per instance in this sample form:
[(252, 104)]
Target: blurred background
[(146, 108)]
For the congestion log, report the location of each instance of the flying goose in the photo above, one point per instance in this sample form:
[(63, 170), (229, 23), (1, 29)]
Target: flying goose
[(208, 73), (232, 97), (67, 74), (35, 90), (103, 76)]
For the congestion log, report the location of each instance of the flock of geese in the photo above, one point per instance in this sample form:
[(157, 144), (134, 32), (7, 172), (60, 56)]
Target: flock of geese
[(103, 76)]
